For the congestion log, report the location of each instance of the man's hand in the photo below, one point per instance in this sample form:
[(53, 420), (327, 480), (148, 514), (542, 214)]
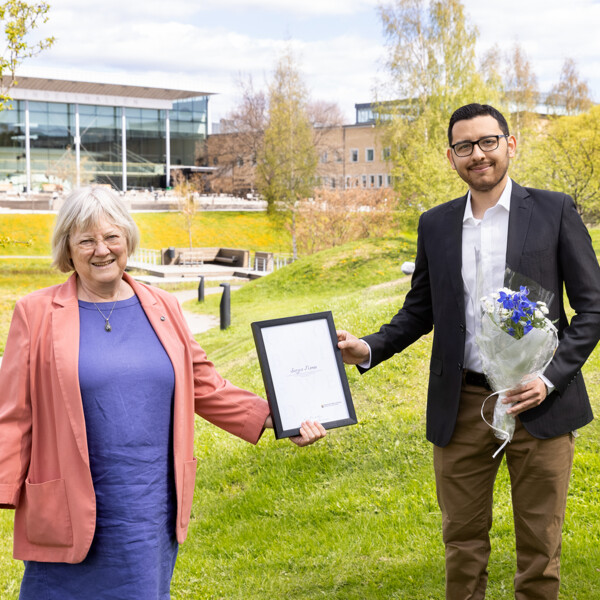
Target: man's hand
[(310, 432), (354, 351), (526, 396)]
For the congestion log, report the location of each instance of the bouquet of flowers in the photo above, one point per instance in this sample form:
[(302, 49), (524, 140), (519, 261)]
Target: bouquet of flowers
[(516, 342)]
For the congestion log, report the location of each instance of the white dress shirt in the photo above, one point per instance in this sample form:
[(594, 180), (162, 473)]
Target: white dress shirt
[(483, 264)]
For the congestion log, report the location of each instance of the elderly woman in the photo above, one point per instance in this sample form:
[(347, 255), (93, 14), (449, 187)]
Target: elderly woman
[(99, 384)]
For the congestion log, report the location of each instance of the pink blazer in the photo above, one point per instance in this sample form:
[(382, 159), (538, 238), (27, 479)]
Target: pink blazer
[(44, 463)]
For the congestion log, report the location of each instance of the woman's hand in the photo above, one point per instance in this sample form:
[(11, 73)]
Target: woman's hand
[(310, 432)]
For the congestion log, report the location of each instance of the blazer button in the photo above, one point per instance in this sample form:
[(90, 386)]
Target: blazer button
[(462, 328), (460, 366)]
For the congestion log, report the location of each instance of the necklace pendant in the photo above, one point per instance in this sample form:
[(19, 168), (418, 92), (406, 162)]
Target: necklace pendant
[(107, 326)]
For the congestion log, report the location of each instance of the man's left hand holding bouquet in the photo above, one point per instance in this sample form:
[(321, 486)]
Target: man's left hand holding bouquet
[(526, 396)]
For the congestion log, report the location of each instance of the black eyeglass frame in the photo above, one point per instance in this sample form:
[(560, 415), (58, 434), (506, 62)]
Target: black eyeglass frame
[(474, 142)]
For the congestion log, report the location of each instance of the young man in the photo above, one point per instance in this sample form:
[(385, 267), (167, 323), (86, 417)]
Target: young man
[(540, 235)]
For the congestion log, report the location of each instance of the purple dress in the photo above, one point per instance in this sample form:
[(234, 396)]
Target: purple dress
[(127, 383)]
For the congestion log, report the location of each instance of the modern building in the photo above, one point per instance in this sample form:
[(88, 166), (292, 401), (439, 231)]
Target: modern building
[(58, 134)]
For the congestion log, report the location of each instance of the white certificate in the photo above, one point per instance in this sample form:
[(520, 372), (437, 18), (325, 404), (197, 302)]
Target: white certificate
[(303, 372)]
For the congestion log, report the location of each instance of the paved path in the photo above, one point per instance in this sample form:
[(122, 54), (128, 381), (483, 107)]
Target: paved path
[(196, 322)]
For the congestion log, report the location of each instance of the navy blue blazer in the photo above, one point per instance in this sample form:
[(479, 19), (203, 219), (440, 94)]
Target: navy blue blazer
[(548, 243)]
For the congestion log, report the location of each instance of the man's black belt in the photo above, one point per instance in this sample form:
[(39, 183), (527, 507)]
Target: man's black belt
[(477, 379)]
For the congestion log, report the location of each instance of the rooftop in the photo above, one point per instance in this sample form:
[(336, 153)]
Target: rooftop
[(89, 92)]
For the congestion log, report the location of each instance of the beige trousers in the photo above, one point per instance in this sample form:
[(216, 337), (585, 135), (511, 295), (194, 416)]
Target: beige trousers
[(465, 472)]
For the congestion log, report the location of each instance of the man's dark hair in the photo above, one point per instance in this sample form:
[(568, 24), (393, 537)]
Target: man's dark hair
[(470, 111)]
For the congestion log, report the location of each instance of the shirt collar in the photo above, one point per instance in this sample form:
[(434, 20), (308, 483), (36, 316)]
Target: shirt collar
[(503, 201)]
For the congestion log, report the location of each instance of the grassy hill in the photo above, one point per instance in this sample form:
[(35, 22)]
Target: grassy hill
[(354, 517), (248, 230)]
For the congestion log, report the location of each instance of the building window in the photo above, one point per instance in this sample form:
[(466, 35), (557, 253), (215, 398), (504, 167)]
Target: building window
[(333, 183), (354, 155), (364, 115), (324, 157), (372, 181), (389, 181), (348, 182), (364, 181), (379, 180), (338, 156), (386, 153), (369, 155), (239, 161)]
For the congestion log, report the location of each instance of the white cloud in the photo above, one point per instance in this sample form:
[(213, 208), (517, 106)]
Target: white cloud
[(175, 44), (298, 7)]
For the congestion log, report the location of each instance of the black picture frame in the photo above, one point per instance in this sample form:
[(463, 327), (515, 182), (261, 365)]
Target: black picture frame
[(299, 359)]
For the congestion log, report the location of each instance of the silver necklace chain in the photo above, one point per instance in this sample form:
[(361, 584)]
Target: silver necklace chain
[(107, 326)]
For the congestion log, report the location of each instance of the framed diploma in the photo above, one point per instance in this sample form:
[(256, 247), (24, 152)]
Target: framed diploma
[(303, 372)]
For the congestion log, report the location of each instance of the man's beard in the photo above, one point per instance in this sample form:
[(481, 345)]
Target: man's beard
[(483, 186), (486, 187)]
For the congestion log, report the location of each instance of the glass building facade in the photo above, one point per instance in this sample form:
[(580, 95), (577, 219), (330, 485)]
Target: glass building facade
[(58, 145)]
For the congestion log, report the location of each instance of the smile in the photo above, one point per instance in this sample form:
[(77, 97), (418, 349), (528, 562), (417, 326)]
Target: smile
[(480, 167), (104, 264)]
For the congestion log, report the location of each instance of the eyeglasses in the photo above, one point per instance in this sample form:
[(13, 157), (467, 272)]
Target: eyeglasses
[(486, 144), (88, 244)]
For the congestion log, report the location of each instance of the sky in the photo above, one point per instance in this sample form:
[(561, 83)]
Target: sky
[(207, 45)]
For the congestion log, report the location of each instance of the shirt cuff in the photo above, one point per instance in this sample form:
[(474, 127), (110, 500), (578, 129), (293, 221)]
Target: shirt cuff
[(548, 383), (367, 363)]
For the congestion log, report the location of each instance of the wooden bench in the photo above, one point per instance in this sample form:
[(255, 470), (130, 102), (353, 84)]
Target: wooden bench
[(194, 257), (199, 256), (226, 260)]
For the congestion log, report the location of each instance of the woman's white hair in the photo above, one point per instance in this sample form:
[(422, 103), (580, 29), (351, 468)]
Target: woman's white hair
[(83, 209)]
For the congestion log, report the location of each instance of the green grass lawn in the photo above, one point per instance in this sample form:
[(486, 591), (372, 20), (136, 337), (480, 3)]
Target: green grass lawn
[(355, 516), (246, 230)]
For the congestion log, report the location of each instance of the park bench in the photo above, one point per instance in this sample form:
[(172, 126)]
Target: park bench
[(195, 257), (226, 260), (201, 256)]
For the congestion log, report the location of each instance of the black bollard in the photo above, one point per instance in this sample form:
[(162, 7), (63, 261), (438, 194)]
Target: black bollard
[(225, 306), (201, 289)]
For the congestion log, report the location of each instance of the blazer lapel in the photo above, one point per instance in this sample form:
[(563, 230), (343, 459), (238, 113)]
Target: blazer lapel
[(158, 319), (518, 225), (453, 247), (65, 344)]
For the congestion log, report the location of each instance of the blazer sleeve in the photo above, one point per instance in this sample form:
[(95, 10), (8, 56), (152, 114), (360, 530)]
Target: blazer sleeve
[(227, 406), (15, 410), (579, 267)]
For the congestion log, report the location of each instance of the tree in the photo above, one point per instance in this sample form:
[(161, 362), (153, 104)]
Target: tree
[(287, 161), (433, 71), (19, 19), (571, 94), (334, 217), (237, 149), (186, 191), (521, 91), (567, 159)]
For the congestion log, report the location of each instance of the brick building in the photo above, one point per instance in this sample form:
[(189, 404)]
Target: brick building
[(349, 156)]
